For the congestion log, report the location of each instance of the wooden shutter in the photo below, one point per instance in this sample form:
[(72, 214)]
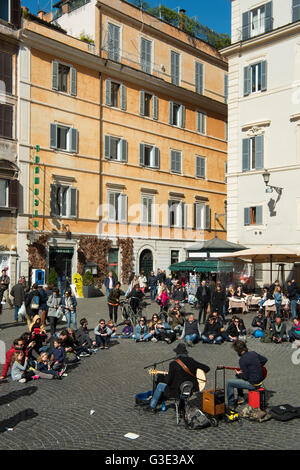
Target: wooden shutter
[(296, 10), (107, 146), (183, 214), (200, 167), (73, 81), (123, 97), (156, 157), (73, 202), (124, 152), (207, 217), (111, 209), (154, 107), (15, 15), (247, 80), (268, 16), (264, 75), (171, 112), (74, 140), (13, 194), (145, 55), (199, 78), (259, 215), (122, 201), (142, 103), (142, 154), (53, 200), (226, 88), (259, 152), (169, 212), (6, 71), (246, 26), (55, 75), (113, 42), (53, 136), (246, 155), (6, 121), (108, 92), (247, 216), (182, 116)]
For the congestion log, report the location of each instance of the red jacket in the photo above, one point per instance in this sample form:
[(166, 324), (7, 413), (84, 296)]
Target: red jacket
[(9, 356)]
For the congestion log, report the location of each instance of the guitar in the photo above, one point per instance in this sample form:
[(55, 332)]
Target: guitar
[(264, 370), (200, 376)]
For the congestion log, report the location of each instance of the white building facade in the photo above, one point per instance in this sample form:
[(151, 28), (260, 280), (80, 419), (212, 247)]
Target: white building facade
[(264, 125)]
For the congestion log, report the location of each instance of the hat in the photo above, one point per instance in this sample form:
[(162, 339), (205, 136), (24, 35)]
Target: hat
[(180, 349)]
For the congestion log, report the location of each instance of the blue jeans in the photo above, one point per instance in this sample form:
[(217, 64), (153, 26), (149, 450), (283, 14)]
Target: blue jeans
[(216, 340), (278, 309), (294, 308), (145, 337), (71, 317), (194, 338), (153, 292), (240, 384), (157, 394), (16, 312)]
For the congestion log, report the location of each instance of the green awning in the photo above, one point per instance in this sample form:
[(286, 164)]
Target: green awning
[(204, 266)]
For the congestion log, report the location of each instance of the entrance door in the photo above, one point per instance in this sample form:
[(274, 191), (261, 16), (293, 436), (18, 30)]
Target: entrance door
[(61, 260), (146, 262)]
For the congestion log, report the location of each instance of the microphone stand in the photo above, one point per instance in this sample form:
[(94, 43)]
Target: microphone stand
[(154, 365)]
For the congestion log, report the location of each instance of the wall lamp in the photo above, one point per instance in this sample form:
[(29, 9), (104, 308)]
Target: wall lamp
[(266, 177)]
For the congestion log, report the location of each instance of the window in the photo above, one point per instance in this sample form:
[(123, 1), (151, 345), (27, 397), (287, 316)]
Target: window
[(3, 193), (5, 10), (63, 201), (149, 156), (64, 78), (117, 207), (201, 122), (147, 210), (296, 10), (200, 167), (253, 153), (174, 256), (148, 105), (257, 21), (5, 73), (177, 213), (115, 95), (113, 42), (201, 216), (175, 68), (199, 78), (255, 78), (253, 215), (176, 161), (63, 138), (146, 55), (176, 114), (6, 121), (115, 148)]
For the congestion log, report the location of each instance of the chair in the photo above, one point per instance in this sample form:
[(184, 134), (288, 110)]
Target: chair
[(186, 391)]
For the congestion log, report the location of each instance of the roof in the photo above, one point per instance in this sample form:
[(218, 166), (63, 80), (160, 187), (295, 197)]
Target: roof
[(215, 244)]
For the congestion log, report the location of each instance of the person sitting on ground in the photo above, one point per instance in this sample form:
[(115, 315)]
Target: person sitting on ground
[(83, 336), (279, 331), (111, 325), (163, 332), (58, 355), (19, 368), (18, 345), (142, 332), (102, 334), (43, 368), (211, 333), (37, 335), (182, 369), (68, 345), (248, 376), (191, 333), (152, 325), (294, 332), (176, 318), (80, 351), (127, 331), (259, 322), (236, 329)]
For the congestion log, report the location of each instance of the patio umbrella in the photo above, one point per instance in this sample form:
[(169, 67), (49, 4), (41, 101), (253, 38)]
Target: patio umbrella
[(264, 254)]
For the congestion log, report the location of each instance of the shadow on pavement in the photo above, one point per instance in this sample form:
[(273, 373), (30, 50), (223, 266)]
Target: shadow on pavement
[(12, 396), (12, 422)]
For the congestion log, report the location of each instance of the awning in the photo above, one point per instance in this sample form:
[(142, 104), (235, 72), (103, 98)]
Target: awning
[(205, 266)]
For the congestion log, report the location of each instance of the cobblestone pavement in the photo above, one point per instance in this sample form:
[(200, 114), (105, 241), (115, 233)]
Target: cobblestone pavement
[(56, 414)]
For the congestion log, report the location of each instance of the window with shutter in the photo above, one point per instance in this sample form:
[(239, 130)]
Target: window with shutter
[(6, 121), (175, 161), (113, 42), (199, 78), (63, 201), (199, 216), (148, 105), (146, 56), (257, 21), (5, 73), (3, 193), (253, 215), (63, 138), (296, 10), (175, 68), (207, 218), (149, 156), (115, 148), (64, 78), (201, 122), (200, 167), (147, 209), (253, 153), (13, 193), (176, 114), (175, 213)]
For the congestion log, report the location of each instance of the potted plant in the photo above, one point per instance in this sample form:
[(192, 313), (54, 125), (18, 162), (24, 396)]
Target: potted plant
[(88, 284), (52, 278)]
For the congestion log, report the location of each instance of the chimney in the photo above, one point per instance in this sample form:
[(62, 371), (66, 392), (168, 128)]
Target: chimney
[(41, 14), (181, 18)]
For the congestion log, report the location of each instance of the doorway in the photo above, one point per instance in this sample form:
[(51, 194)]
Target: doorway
[(61, 260), (146, 262)]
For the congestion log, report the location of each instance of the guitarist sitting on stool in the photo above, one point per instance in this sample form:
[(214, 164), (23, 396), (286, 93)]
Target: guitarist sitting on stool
[(182, 369), (249, 376)]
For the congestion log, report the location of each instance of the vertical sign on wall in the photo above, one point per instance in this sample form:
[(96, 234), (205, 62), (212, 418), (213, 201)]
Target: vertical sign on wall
[(36, 190)]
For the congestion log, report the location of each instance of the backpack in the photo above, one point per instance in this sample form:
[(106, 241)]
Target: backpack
[(35, 302), (285, 412), (195, 418)]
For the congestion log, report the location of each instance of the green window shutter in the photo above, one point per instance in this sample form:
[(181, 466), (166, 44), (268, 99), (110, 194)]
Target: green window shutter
[(268, 17), (73, 81), (73, 202), (199, 78), (259, 152), (142, 154), (156, 157), (124, 151), (107, 147), (182, 115), (53, 136), (53, 200), (171, 112), (226, 88), (142, 103), (247, 216), (122, 200), (183, 215), (246, 155), (74, 140), (55, 75), (259, 215), (154, 107), (175, 68), (264, 75), (123, 97), (246, 26), (108, 92), (247, 80), (207, 217), (200, 167), (296, 10), (146, 55)]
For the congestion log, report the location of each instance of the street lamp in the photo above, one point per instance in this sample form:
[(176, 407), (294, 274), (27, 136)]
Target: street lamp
[(266, 177)]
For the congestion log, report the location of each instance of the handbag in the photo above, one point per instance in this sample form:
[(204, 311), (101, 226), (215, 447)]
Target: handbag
[(59, 313), (22, 311)]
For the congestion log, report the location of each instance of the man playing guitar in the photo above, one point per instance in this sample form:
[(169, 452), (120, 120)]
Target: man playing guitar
[(182, 369), (250, 374)]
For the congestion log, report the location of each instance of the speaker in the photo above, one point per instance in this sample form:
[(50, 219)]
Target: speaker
[(213, 402)]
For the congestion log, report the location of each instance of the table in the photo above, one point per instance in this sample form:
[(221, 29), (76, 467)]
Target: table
[(235, 302)]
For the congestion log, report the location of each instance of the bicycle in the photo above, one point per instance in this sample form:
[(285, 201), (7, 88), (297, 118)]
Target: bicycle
[(128, 313)]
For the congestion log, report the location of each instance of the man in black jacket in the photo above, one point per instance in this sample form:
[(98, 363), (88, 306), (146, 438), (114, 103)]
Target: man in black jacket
[(170, 388), (212, 333), (203, 296), (152, 284), (249, 375), (18, 293), (293, 296)]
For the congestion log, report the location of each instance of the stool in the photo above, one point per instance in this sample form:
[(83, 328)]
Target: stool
[(186, 391), (256, 398)]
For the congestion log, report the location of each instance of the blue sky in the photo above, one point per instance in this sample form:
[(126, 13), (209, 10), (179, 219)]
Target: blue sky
[(213, 13)]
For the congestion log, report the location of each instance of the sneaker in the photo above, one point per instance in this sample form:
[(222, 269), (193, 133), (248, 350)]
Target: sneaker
[(167, 340), (190, 343), (35, 377), (101, 347), (149, 409), (22, 381), (106, 347), (240, 401), (154, 340), (84, 354)]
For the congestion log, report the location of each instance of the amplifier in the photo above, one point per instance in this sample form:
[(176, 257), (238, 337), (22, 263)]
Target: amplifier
[(213, 402), (257, 398)]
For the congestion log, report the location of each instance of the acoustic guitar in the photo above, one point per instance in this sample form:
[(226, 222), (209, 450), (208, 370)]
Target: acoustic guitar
[(200, 376)]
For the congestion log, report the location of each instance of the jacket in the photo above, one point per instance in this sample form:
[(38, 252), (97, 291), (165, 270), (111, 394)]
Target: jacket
[(114, 296), (17, 370), (190, 329), (211, 329), (106, 282), (152, 281), (251, 365), (59, 354), (203, 294), (8, 358), (234, 332), (83, 337), (293, 291), (28, 299), (53, 302), (102, 331), (18, 293), (179, 293), (73, 301), (177, 375), (218, 300), (44, 298), (278, 332), (261, 320)]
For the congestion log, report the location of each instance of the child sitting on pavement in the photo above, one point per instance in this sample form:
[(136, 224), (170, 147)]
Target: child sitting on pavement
[(19, 368), (127, 331), (44, 370), (58, 355)]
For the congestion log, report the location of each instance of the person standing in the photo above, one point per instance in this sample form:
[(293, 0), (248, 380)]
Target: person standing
[(69, 304), (18, 293), (142, 280), (4, 288), (152, 284), (109, 283), (54, 306), (32, 303), (293, 296), (43, 306), (203, 296), (114, 302)]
